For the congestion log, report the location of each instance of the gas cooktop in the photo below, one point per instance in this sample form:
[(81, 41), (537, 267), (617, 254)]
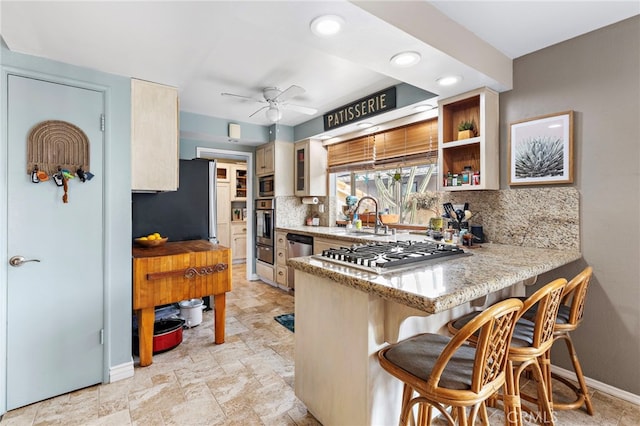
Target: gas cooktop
[(384, 257)]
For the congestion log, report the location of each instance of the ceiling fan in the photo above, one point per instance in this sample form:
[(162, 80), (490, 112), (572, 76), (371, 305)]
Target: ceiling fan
[(276, 101)]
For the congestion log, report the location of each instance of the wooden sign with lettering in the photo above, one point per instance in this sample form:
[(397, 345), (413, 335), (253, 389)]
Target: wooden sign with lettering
[(361, 109)]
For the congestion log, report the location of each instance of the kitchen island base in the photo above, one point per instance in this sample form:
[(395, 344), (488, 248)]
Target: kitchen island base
[(339, 330)]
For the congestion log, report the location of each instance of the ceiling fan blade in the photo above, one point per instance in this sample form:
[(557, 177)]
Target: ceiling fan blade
[(291, 92), (300, 108), (246, 98), (261, 109)]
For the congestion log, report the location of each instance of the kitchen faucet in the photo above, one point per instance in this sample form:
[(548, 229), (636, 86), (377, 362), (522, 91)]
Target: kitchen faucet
[(375, 202)]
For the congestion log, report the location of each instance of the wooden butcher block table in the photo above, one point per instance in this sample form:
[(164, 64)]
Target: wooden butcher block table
[(178, 271)]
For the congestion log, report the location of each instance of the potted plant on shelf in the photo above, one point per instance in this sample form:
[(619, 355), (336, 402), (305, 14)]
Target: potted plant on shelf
[(466, 129)]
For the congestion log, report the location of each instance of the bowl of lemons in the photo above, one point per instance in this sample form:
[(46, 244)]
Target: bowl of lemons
[(151, 240)]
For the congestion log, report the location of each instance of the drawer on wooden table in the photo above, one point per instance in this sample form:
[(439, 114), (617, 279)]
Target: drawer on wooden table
[(165, 279)]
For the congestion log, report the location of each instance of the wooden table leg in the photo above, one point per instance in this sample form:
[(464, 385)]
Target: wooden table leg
[(146, 318), (219, 317)]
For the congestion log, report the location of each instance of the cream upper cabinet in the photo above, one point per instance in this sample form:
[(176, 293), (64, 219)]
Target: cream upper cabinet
[(310, 168), (276, 158), (223, 172), (265, 159), (478, 151), (154, 137)]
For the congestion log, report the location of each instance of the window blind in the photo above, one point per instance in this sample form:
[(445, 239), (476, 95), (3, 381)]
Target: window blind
[(358, 153), (412, 144)]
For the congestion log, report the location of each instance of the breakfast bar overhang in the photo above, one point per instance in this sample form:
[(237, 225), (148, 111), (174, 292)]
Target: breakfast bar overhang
[(345, 315)]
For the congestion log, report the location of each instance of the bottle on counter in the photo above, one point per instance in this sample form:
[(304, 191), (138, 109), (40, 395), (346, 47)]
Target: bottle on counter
[(448, 233), (449, 179), (357, 221), (461, 236), (349, 226)]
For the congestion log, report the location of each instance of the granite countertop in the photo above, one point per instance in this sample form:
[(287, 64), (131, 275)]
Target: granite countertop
[(441, 284), (341, 233)]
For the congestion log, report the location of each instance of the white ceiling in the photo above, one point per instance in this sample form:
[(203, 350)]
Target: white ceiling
[(208, 47)]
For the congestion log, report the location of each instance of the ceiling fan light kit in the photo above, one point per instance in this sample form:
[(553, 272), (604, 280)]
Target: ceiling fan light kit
[(276, 101), (273, 113)]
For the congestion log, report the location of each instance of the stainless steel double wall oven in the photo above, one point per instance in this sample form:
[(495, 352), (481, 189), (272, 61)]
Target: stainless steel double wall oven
[(265, 230)]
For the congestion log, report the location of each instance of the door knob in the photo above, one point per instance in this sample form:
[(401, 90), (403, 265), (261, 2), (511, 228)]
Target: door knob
[(19, 260)]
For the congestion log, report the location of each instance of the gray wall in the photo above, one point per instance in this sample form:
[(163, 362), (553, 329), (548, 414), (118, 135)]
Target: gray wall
[(598, 76)]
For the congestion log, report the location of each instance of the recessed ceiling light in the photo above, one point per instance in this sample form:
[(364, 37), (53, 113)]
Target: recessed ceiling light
[(449, 80), (325, 137), (424, 107), (326, 25), (365, 124), (405, 59)]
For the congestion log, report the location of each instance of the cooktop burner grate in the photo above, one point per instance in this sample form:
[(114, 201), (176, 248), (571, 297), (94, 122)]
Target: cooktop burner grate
[(390, 256)]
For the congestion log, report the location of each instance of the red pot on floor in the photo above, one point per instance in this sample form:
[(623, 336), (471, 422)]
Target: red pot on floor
[(167, 334)]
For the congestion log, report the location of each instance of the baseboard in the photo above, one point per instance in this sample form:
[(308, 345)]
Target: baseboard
[(121, 372), (602, 387)]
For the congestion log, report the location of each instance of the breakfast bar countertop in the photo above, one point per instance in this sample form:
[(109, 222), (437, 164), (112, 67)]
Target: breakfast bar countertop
[(441, 284)]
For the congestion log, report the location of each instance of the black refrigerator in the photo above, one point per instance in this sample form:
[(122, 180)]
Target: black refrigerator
[(186, 214)]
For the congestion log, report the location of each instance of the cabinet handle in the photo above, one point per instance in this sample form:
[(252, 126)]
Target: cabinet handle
[(280, 254), (280, 273)]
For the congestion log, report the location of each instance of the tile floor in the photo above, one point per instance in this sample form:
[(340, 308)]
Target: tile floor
[(246, 381)]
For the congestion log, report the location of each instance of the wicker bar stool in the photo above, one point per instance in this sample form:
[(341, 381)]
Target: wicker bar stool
[(448, 371), (569, 318), (529, 350)]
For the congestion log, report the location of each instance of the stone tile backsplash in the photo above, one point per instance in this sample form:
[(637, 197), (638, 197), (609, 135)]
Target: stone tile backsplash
[(534, 217), (291, 212)]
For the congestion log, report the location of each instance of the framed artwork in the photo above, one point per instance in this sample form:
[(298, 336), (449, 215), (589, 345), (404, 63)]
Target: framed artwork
[(541, 150)]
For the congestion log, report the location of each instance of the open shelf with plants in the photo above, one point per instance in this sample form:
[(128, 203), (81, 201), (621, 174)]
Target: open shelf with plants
[(468, 138)]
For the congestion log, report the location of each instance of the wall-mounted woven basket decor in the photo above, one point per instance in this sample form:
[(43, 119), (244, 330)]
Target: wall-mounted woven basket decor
[(54, 143)]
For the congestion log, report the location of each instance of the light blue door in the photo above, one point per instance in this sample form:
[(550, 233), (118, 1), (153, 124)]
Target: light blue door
[(55, 306)]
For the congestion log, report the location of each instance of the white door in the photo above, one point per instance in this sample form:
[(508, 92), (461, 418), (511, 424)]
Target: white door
[(55, 306)]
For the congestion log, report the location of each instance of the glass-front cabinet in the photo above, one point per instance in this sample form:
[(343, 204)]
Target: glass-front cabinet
[(240, 182), (310, 168)]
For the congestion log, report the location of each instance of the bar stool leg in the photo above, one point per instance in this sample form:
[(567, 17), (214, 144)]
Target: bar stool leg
[(544, 406), (545, 366), (405, 413), (511, 400), (579, 375)]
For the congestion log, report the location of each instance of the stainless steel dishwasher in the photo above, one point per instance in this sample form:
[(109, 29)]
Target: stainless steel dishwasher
[(298, 246)]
